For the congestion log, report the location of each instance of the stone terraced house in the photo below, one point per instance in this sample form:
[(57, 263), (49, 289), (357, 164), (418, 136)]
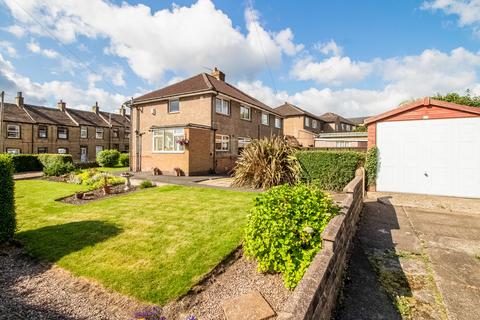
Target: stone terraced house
[(197, 126), (32, 129)]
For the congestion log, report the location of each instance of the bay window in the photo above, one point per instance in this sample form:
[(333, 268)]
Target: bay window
[(168, 140)]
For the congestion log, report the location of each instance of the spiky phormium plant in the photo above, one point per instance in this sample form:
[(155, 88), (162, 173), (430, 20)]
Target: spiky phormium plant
[(266, 163)]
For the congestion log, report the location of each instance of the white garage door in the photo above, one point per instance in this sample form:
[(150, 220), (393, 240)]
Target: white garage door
[(438, 157)]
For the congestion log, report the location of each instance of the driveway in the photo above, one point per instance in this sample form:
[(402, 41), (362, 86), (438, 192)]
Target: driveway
[(414, 263)]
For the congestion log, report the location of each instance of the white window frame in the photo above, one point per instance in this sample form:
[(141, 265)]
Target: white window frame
[(242, 110), (314, 124), (224, 105), (13, 151), (16, 130), (307, 122), (176, 134), (39, 130), (267, 117), (84, 132), (170, 106), (98, 132), (278, 123), (115, 130), (66, 133), (62, 148), (243, 142), (224, 140)]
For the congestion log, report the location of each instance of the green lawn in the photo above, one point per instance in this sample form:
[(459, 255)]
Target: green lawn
[(153, 244)]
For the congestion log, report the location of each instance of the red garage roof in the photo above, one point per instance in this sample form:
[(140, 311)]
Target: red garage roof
[(423, 103)]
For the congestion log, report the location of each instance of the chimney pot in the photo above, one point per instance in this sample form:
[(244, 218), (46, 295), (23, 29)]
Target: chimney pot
[(122, 111), (219, 75), (61, 105), (19, 99)]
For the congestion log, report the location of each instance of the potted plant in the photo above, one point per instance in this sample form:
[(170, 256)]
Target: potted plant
[(183, 142), (178, 172)]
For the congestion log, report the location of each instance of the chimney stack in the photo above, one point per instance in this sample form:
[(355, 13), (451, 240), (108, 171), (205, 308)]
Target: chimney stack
[(122, 111), (218, 74), (95, 108), (61, 105), (19, 99)]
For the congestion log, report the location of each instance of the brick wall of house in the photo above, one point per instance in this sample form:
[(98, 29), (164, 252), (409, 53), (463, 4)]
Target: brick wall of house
[(24, 142), (200, 151)]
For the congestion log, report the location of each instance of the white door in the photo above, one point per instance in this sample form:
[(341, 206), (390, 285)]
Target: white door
[(438, 157), (83, 154)]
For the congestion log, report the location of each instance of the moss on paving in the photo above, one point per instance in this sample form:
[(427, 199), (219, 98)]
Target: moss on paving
[(154, 244)]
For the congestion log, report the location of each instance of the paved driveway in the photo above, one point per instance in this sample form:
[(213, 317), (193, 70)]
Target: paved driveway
[(414, 263)]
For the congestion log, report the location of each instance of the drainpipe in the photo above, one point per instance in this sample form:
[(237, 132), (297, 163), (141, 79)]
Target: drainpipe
[(138, 141), (214, 167), (2, 94)]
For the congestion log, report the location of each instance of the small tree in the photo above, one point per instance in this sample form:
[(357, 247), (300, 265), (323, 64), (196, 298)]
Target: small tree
[(108, 158), (371, 165), (266, 163), (7, 200), (467, 99)]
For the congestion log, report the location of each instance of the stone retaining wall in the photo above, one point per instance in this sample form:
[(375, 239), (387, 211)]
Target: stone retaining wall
[(316, 294)]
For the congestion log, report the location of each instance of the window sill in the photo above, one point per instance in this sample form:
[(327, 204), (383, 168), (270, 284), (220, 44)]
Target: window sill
[(249, 120), (14, 138), (222, 150), (173, 112), (168, 152), (266, 124), (223, 114)]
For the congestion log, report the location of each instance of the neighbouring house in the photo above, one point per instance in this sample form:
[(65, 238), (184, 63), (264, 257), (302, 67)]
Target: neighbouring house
[(197, 126), (35, 129), (342, 140), (428, 147), (358, 121), (300, 124), (336, 123)]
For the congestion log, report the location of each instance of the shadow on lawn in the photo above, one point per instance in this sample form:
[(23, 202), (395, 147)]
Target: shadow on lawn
[(27, 289), (51, 243)]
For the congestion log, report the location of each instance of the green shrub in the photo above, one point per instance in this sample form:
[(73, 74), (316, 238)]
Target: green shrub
[(146, 184), (56, 164), (284, 229), (7, 200), (108, 158), (26, 162), (330, 170), (124, 159), (266, 163), (371, 164)]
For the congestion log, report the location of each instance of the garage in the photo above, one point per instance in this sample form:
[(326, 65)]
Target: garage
[(428, 147)]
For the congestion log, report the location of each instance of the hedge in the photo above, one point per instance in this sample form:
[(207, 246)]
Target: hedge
[(7, 200), (330, 170), (26, 162), (108, 158), (56, 164)]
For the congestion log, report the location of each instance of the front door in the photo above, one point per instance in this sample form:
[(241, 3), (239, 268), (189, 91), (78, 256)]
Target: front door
[(83, 154)]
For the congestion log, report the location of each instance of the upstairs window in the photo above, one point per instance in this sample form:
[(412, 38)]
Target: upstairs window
[(314, 124), (83, 132), (168, 140), (222, 106), (43, 132), (62, 133), (99, 133), (115, 133), (278, 122), (13, 131), (265, 119), (222, 142), (307, 122), (174, 106), (244, 113)]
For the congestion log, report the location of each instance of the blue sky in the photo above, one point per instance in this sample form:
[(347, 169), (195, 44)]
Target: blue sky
[(350, 57)]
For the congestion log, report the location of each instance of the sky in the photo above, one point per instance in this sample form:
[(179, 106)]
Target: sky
[(354, 58)]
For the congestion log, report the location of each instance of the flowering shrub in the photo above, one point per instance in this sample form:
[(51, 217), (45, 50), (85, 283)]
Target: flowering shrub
[(94, 179), (284, 229)]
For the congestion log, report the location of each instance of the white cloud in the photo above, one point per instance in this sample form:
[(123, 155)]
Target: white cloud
[(48, 93), (203, 35), (17, 31), (329, 48), (334, 70), (34, 47), (115, 75), (468, 11), (8, 48), (401, 78)]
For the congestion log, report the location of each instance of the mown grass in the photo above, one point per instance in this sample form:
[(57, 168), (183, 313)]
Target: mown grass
[(117, 168), (154, 244)]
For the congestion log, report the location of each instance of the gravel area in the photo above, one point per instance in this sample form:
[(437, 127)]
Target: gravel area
[(34, 290), (231, 279)]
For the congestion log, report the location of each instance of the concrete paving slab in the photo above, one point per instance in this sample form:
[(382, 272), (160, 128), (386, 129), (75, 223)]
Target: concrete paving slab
[(250, 306)]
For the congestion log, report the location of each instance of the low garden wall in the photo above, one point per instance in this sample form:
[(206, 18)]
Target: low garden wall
[(316, 294)]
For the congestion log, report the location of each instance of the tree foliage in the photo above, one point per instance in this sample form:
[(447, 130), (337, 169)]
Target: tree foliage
[(468, 99)]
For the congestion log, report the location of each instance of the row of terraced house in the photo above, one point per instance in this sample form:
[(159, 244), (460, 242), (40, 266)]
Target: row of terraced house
[(32, 129), (201, 124)]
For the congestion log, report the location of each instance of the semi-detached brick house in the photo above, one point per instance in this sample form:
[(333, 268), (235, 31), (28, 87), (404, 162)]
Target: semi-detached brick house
[(197, 126), (37, 129)]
